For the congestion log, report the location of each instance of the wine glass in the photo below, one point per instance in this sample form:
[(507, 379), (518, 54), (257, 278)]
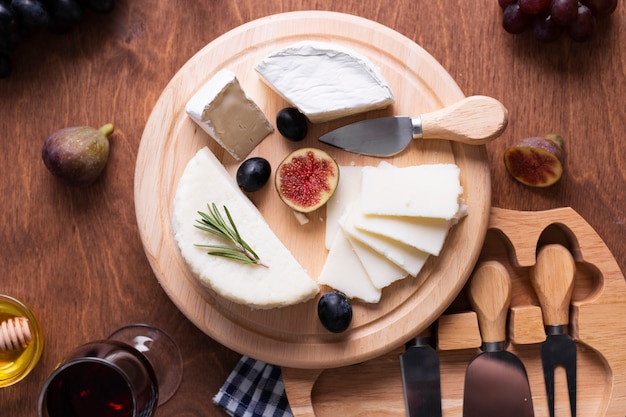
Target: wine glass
[(129, 374)]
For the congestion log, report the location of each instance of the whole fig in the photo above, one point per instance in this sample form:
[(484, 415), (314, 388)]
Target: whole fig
[(77, 155)]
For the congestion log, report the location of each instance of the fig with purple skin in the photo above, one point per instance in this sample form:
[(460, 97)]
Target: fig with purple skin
[(306, 179), (536, 161), (77, 155)]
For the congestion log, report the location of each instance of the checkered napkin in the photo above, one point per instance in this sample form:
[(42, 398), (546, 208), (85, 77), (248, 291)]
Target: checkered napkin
[(254, 389)]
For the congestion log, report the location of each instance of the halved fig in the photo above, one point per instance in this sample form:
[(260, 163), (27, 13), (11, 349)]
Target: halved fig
[(306, 179), (536, 161)]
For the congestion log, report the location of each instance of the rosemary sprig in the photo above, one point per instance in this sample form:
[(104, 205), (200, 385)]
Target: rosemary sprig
[(213, 222)]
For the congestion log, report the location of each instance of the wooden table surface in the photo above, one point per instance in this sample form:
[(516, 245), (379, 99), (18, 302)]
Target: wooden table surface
[(75, 256)]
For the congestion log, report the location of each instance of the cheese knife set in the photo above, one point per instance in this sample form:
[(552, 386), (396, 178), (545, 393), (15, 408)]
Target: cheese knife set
[(496, 381), (507, 345)]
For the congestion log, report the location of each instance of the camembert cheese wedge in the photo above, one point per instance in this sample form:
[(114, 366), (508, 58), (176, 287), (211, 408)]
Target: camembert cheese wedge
[(223, 110), (283, 282), (325, 81)]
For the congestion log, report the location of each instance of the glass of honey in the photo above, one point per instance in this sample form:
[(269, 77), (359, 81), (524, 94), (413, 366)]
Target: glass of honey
[(17, 358)]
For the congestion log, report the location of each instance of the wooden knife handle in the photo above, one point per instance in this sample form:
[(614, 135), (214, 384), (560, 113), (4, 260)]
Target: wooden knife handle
[(299, 389), (552, 277), (490, 296), (475, 120)]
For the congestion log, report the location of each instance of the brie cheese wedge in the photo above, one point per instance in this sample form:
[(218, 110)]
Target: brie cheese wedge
[(283, 282), (223, 110), (325, 81)]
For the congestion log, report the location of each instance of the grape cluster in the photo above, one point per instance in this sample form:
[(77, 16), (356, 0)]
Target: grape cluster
[(21, 18), (549, 19)]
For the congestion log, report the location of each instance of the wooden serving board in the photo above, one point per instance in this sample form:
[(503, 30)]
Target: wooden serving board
[(293, 336), (597, 324)]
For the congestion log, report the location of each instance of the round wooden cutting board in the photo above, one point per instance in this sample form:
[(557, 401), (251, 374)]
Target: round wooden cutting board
[(292, 336)]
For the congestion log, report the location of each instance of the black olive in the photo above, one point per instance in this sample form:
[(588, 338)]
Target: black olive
[(253, 173), (292, 124), (334, 311)]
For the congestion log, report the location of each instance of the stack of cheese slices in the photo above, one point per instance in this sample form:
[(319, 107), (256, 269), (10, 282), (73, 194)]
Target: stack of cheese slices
[(384, 222)]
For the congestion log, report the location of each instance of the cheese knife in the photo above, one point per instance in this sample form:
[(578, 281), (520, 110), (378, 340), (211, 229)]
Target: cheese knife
[(496, 382), (421, 378), (553, 280), (474, 120)]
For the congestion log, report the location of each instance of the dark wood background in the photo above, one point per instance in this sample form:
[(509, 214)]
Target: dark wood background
[(74, 255)]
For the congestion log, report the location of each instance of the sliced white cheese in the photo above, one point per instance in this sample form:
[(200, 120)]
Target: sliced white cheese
[(431, 190), (223, 110), (382, 271), (424, 233), (406, 257), (346, 192), (283, 282), (325, 81), (344, 272)]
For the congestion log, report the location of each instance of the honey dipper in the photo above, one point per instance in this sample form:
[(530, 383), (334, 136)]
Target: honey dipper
[(14, 334)]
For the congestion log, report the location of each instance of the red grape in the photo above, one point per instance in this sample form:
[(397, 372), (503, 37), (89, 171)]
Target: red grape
[(584, 26), (549, 19), (564, 12), (533, 6), (514, 20), (600, 7), (545, 29)]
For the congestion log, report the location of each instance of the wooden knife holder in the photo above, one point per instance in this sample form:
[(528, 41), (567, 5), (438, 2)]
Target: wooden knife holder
[(597, 324)]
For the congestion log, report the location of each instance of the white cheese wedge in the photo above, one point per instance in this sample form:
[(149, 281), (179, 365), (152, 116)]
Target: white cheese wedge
[(344, 272), (325, 81), (283, 282), (406, 257), (346, 192), (431, 190), (223, 110), (382, 271)]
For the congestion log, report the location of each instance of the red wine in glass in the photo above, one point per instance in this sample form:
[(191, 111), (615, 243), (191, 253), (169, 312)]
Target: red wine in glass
[(104, 379), (114, 377)]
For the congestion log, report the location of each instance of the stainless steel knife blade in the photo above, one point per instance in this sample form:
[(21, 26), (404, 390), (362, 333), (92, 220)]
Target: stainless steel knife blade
[(475, 120), (553, 280), (421, 378), (496, 382)]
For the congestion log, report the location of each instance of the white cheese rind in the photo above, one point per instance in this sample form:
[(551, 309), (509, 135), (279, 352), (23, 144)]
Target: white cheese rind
[(223, 110), (431, 190), (325, 81), (284, 282), (344, 272)]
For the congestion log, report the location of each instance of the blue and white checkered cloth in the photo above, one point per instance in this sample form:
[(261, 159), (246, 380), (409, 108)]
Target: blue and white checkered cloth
[(254, 389)]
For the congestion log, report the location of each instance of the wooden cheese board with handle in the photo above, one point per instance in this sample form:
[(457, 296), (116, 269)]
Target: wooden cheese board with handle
[(293, 336), (597, 324)]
